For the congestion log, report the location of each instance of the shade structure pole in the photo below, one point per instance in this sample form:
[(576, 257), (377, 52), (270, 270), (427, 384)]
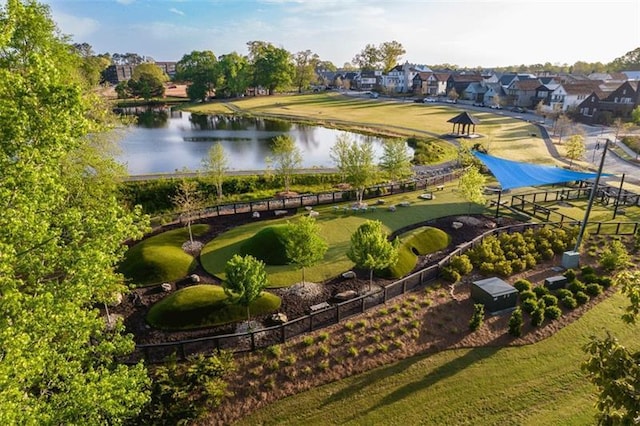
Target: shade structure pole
[(592, 197), (617, 203), (498, 203)]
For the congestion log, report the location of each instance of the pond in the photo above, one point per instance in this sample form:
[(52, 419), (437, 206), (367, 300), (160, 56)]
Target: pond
[(165, 141)]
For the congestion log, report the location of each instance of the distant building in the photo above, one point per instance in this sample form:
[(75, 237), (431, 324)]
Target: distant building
[(115, 74)]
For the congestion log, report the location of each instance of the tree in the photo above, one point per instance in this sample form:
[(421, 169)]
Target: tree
[(272, 66), (355, 162), (477, 319), (575, 148), (368, 59), (234, 73), (613, 368), (497, 100), (217, 165), (246, 278), (453, 95), (630, 61), (304, 245), (305, 65), (516, 322), (561, 125), (147, 81), (390, 53), (371, 249), (286, 158), (635, 116), (200, 69), (188, 201), (62, 232), (396, 161), (471, 185)]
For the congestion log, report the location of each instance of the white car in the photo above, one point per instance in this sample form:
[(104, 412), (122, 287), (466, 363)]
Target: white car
[(429, 100)]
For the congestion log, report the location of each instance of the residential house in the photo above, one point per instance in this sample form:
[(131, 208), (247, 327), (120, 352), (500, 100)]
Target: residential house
[(494, 94), (460, 81), (632, 75), (474, 92), (400, 78), (367, 80), (115, 74), (610, 102), (168, 67), (608, 76), (570, 95), (437, 83), (522, 93)]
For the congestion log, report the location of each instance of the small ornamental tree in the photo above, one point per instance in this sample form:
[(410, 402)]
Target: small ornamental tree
[(575, 148), (303, 243), (355, 162), (286, 159), (187, 200), (370, 248), (217, 164), (246, 278), (515, 323), (396, 160), (477, 319), (471, 185)]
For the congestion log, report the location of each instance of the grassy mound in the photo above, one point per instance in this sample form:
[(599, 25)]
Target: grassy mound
[(203, 306), (418, 242), (268, 245), (160, 258)]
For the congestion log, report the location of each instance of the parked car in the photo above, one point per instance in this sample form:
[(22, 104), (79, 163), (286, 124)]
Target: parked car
[(518, 109), (451, 101), (478, 104), (429, 100), (495, 107)]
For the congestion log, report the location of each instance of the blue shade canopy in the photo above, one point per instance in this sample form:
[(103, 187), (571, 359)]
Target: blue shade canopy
[(515, 174)]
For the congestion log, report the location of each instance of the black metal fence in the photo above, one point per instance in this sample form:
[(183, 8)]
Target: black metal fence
[(333, 314)]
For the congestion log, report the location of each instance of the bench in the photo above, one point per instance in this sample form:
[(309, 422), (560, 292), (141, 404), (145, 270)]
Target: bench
[(280, 212), (440, 188), (319, 307)]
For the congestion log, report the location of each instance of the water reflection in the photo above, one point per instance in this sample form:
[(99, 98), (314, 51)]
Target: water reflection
[(166, 141)]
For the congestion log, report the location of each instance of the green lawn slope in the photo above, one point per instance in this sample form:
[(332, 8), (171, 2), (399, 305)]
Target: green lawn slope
[(203, 306), (418, 242), (160, 258), (538, 384)]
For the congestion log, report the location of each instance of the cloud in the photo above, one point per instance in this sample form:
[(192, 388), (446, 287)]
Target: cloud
[(77, 26), (176, 11), (125, 2)]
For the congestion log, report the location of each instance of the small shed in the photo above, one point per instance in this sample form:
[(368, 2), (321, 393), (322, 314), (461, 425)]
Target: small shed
[(495, 294)]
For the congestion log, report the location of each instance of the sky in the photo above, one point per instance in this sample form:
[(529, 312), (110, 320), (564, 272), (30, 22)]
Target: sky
[(466, 33)]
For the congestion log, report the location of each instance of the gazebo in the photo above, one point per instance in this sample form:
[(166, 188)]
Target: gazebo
[(464, 122)]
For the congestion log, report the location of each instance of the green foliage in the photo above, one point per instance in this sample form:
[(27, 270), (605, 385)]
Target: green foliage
[(217, 165), (552, 312), (303, 244), (424, 240), (516, 322), (200, 69), (594, 289), (587, 270), (629, 282), (581, 297), (355, 162), (477, 319), (570, 275), (576, 286), (569, 302), (187, 391), (147, 81), (62, 234), (537, 317), (522, 285), (527, 295), (450, 274), (549, 300), (370, 248), (540, 291), (529, 305), (429, 151), (246, 278), (462, 264), (286, 158), (614, 256), (396, 161), (201, 306), (160, 258), (471, 185), (268, 245), (615, 372), (563, 292), (272, 66)]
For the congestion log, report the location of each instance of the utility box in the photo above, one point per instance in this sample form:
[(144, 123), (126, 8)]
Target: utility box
[(570, 260), (495, 294), (555, 283)]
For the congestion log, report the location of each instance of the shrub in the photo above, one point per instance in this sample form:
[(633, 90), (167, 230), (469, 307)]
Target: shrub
[(577, 286), (587, 270), (563, 292), (540, 291), (569, 302), (522, 285), (589, 278), (477, 318), (323, 337), (528, 294), (307, 341), (552, 312), (529, 305), (449, 274), (503, 268), (614, 256), (461, 264), (515, 323), (353, 351), (537, 317), (605, 282), (581, 297), (550, 300), (594, 289), (570, 274)]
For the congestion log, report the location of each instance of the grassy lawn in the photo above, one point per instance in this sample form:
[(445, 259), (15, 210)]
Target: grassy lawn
[(418, 242), (204, 306), (336, 228), (506, 137), (160, 258), (536, 384), (599, 212)]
